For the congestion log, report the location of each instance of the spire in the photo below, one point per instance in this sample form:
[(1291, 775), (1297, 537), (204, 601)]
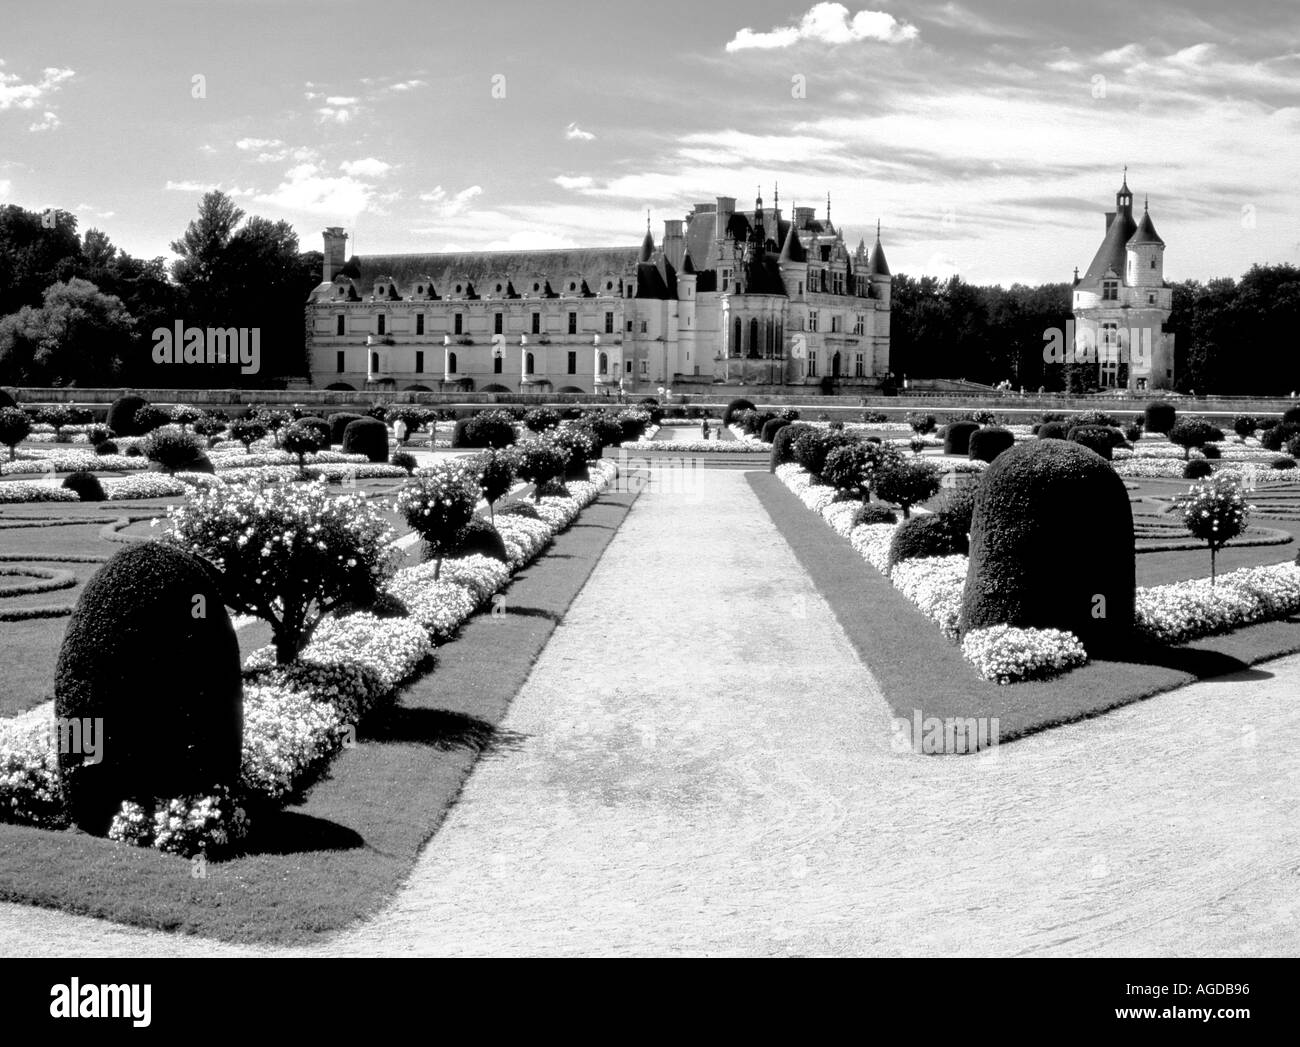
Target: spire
[(688, 267), (1145, 232), (876, 265), (776, 196), (793, 250), (648, 244), (828, 208)]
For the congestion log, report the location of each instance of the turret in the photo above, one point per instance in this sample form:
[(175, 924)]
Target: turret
[(793, 263), (878, 271), (1145, 255)]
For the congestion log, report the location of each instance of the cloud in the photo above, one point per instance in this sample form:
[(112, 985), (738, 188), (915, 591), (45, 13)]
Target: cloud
[(574, 132), (306, 188), (5, 187), (408, 85), (48, 122), (450, 205), (338, 116), (190, 186), (574, 181), (257, 143), (369, 167), (828, 23), (15, 93)]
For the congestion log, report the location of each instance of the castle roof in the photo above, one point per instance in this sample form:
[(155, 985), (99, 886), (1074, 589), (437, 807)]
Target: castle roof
[(647, 247), (1110, 256), (1146, 232), (876, 264), (793, 250)]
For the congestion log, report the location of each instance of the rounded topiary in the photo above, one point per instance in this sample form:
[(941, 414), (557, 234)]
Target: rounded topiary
[(404, 460), (1198, 469), (338, 422), (134, 451), (1275, 437), (459, 433), (1159, 418), (1212, 451), (86, 484), (1291, 416), (368, 436), (1282, 463), (148, 418), (1132, 433), (1098, 438), (956, 437), (6, 399), (121, 415), (926, 536), (736, 407), (1053, 431), (1039, 507), (987, 443), (482, 538), (488, 429), (783, 444), (771, 427), (173, 449), (201, 464), (150, 653), (321, 426), (874, 513), (106, 447)]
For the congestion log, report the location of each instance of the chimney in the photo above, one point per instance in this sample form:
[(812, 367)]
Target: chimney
[(726, 208), (335, 241), (803, 215), (674, 242), (1110, 217)]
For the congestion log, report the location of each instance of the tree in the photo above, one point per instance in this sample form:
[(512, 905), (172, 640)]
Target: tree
[(1216, 512), (36, 250), (1188, 433), (439, 505), (907, 483), (78, 336), (15, 427)]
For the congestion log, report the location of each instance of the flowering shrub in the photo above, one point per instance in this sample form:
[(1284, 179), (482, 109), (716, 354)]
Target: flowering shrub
[(12, 491), (935, 585), (300, 440), (289, 553), (147, 485), (496, 476), (185, 825), (539, 463), (1006, 654), (30, 790), (907, 483), (1215, 512), (1182, 611), (438, 505)]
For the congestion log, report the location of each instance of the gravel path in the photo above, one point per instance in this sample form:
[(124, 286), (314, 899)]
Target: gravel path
[(710, 773)]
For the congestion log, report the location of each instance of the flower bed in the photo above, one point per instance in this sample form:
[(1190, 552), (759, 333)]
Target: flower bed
[(697, 446), (14, 491), (1006, 654), (1183, 611), (61, 461)]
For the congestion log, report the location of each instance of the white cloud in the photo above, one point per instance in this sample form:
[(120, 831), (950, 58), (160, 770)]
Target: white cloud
[(408, 85), (530, 240), (449, 205), (828, 23), (340, 100), (574, 181), (369, 167), (15, 93), (576, 133), (339, 116), (190, 186), (257, 143), (307, 189), (5, 185), (47, 122)]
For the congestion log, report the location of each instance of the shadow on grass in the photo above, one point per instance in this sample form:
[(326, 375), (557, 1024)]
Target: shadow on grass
[(439, 728), (288, 832), (535, 612)]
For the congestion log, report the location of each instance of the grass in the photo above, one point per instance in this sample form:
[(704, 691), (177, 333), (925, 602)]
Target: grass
[(340, 854), (917, 669)]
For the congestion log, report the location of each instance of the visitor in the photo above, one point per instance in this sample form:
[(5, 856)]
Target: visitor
[(399, 431), (704, 428)]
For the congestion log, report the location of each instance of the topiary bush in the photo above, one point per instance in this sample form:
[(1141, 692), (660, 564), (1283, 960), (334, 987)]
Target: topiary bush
[(1159, 417), (404, 460), (783, 444), (86, 485), (632, 424), (321, 426), (1275, 437), (107, 447), (496, 476), (1037, 506), (300, 440), (338, 422), (1197, 469), (771, 427), (734, 408), (1189, 433), (247, 431), (578, 445), (1053, 431), (987, 443), (368, 436), (956, 437), (1244, 425), (121, 415), (481, 538), (922, 423), (907, 483), (540, 419), (15, 427), (147, 419), (1282, 463), (151, 655), (1101, 418), (6, 399), (1132, 433), (1101, 439), (1291, 416), (607, 431), (926, 536), (849, 469), (539, 464), (174, 450), (1212, 451), (812, 448), (874, 513), (494, 429)]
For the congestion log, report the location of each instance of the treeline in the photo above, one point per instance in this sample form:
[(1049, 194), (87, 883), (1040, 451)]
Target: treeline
[(75, 310), (1233, 337)]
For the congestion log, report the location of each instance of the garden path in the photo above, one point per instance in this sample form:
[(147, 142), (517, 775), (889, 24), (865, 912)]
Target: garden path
[(709, 771)]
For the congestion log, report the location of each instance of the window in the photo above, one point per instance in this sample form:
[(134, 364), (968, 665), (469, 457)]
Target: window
[(735, 337), (419, 323), (1153, 263), (800, 288), (1110, 290), (628, 366), (496, 364), (374, 363), (629, 327), (780, 341), (419, 361), (380, 320), (573, 325), (459, 321), (451, 363), (604, 363), (537, 323), (1151, 299), (338, 361), (498, 323), (645, 367), (835, 324), (341, 327), (644, 326), (859, 324), (528, 363), (609, 323), (573, 363), (812, 319), (812, 363), (859, 366)]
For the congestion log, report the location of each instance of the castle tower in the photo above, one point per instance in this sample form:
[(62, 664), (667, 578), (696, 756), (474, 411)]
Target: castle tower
[(1146, 255), (878, 271), (335, 250)]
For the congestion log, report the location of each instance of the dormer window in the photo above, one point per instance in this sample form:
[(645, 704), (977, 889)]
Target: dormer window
[(499, 288), (537, 287), (572, 286), (420, 289), (1110, 290)]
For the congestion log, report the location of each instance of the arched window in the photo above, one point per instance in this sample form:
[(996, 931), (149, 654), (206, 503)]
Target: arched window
[(767, 335), (528, 363), (753, 337), (735, 338), (451, 363), (604, 363)]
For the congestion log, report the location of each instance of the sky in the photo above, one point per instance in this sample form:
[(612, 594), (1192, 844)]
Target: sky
[(988, 137)]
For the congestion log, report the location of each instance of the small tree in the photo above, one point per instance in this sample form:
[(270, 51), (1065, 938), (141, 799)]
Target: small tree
[(496, 475), (247, 431), (540, 419), (172, 449), (184, 414), (439, 505), (209, 427), (539, 463), (922, 423), (57, 416), (288, 553), (300, 440), (273, 421), (907, 483), (1244, 425), (1188, 433), (1216, 512), (15, 427)]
